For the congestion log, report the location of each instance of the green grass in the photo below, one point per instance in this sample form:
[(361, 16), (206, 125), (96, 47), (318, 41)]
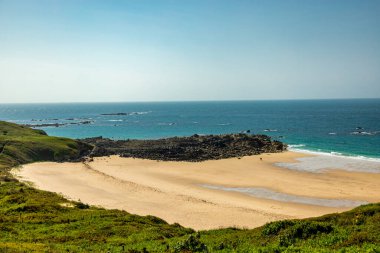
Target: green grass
[(32, 220), (19, 145), (37, 220)]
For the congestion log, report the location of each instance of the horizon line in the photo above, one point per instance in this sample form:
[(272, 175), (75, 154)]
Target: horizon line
[(189, 101)]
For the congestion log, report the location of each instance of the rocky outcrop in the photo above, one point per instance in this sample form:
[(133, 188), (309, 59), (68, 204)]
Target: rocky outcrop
[(194, 148), (85, 122)]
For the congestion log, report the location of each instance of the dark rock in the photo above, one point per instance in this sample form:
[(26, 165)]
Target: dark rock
[(194, 148), (45, 125), (58, 124)]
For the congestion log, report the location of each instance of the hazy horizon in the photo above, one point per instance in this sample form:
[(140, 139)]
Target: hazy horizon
[(162, 51), (192, 101)]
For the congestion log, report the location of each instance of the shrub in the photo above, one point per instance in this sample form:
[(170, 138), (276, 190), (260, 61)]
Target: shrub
[(274, 228), (191, 244), (81, 205), (303, 230)]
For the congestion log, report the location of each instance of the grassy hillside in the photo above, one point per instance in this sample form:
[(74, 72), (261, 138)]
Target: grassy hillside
[(20, 145), (37, 221), (34, 220)]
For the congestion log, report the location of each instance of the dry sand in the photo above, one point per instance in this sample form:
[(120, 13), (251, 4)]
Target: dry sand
[(173, 191)]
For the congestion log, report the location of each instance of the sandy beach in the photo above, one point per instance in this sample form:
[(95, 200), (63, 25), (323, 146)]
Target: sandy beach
[(207, 195)]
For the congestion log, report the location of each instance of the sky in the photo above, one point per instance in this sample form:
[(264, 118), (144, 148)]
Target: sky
[(140, 50)]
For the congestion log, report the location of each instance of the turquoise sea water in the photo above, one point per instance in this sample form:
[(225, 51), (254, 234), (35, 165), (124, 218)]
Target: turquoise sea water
[(343, 127)]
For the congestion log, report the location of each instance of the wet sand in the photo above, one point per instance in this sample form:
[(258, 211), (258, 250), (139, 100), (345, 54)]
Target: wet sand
[(207, 195)]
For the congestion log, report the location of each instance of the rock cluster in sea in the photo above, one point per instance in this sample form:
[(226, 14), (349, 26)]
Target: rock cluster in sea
[(85, 122), (194, 148)]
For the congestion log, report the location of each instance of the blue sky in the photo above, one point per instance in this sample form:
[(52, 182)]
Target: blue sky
[(79, 51)]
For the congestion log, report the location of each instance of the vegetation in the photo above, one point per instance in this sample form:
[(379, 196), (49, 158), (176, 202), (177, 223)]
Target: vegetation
[(19, 144), (32, 220)]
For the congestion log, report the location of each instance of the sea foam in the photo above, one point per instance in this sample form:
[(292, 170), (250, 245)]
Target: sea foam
[(321, 161)]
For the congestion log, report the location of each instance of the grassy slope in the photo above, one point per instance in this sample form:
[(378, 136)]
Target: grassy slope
[(20, 145), (34, 220)]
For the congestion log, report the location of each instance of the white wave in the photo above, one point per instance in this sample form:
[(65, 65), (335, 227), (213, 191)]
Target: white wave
[(296, 146), (270, 130), (139, 113), (361, 133), (321, 161), (166, 123), (224, 124), (115, 120)]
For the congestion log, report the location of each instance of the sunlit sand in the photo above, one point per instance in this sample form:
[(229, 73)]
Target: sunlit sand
[(207, 195)]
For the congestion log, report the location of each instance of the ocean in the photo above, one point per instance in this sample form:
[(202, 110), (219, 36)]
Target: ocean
[(346, 127)]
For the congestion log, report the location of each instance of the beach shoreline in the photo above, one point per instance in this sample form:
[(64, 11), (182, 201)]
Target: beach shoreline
[(176, 192)]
